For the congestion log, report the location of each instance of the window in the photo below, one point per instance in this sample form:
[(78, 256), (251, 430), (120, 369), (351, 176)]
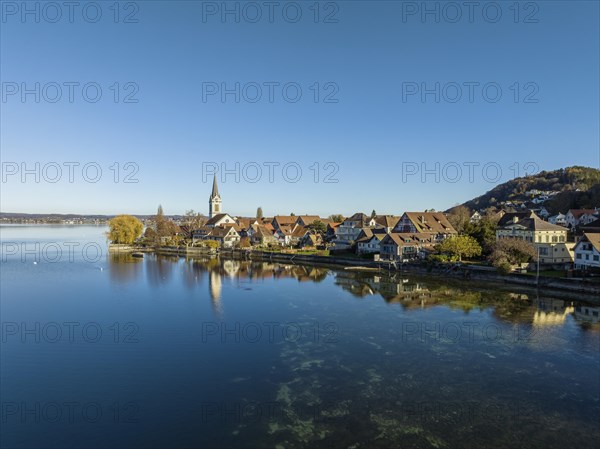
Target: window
[(596, 258)]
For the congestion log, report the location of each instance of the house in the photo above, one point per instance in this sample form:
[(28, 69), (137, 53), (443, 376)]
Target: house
[(542, 212), (550, 240), (475, 218), (405, 246), (594, 226), (246, 223), (509, 217), (435, 223), (330, 234), (575, 217), (369, 240), (220, 220), (305, 220), (262, 235), (587, 251), (310, 241), (200, 233), (348, 231), (289, 235), (387, 222), (226, 236), (558, 219), (283, 220)]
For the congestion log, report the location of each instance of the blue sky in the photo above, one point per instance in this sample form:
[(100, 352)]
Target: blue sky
[(372, 59)]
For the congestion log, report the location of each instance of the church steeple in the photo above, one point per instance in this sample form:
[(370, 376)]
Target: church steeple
[(214, 202), (215, 190)]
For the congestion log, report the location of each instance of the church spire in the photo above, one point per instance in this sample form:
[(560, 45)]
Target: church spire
[(215, 190), (214, 202)]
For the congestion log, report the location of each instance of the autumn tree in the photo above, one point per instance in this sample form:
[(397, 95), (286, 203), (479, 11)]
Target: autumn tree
[(336, 218), (460, 246), (125, 229), (510, 252), (459, 217)]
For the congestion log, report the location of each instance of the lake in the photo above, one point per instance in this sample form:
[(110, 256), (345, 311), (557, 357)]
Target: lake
[(110, 351)]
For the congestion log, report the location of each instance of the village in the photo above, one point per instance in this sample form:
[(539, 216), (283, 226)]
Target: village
[(506, 237)]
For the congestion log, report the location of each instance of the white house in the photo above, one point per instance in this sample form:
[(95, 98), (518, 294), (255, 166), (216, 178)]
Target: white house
[(476, 217), (559, 219), (220, 220), (587, 251), (227, 236), (369, 241), (347, 232), (575, 217)]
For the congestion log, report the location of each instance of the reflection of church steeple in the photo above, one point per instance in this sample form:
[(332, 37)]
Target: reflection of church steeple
[(214, 202), (214, 287)]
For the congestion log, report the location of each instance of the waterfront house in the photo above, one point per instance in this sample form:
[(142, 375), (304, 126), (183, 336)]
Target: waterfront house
[(434, 223), (549, 240), (200, 233), (587, 251), (405, 246), (310, 241), (226, 236), (347, 232), (369, 240)]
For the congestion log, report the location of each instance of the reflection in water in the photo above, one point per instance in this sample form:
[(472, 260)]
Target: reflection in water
[(123, 268), (160, 269), (409, 293)]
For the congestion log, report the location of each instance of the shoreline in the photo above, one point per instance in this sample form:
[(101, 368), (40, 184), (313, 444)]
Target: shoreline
[(471, 274)]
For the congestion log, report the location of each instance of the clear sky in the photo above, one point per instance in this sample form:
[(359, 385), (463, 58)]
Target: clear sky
[(372, 122)]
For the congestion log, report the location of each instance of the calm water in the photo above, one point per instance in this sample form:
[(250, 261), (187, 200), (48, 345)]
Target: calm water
[(116, 352)]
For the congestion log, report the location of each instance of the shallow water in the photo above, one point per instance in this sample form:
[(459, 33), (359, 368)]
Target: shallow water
[(110, 351)]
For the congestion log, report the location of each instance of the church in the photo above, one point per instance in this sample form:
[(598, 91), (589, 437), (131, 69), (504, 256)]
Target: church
[(214, 202)]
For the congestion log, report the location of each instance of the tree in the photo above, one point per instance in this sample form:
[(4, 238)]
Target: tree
[(318, 227), (159, 221), (460, 246), (163, 227), (292, 214), (459, 217), (125, 229), (484, 231), (194, 220), (259, 213), (373, 214), (510, 252), (336, 218)]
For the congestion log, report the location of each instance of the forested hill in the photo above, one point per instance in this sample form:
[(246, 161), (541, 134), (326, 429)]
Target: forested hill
[(567, 188)]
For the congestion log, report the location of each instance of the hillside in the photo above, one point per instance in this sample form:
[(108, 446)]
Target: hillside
[(568, 188)]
